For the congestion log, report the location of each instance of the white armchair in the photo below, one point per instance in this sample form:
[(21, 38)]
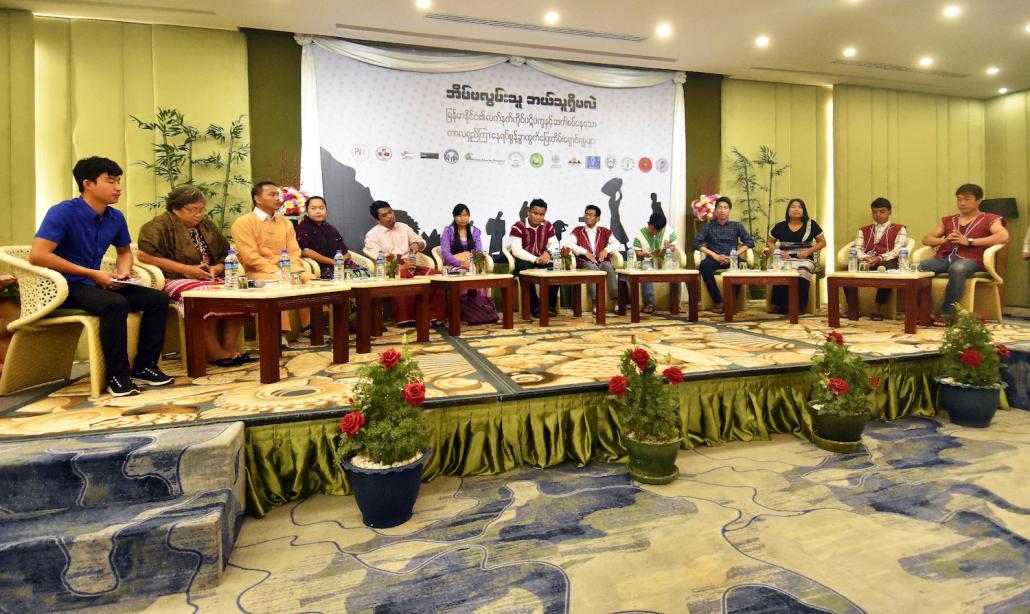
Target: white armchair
[(983, 289)]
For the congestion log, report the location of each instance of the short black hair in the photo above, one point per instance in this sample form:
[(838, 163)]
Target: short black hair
[(724, 199), (881, 203), (971, 189), (657, 220), (376, 206), (595, 209), (258, 187), (90, 169), (183, 195), (538, 202), (804, 208)]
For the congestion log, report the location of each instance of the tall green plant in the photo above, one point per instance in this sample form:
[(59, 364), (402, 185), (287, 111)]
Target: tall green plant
[(747, 182), (173, 154), (767, 158), (236, 153)]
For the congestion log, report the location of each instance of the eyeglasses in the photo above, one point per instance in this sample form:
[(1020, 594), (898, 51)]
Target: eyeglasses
[(195, 211)]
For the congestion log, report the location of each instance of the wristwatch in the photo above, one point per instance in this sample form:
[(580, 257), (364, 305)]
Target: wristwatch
[(970, 242)]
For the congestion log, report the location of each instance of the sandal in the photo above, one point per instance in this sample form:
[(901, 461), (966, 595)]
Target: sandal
[(227, 362), (718, 309), (246, 358), (876, 317), (939, 322), (648, 309)]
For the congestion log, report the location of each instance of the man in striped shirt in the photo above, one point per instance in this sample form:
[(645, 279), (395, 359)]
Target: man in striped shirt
[(531, 242)]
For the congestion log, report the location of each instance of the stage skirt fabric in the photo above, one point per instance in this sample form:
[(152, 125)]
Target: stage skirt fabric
[(175, 287)]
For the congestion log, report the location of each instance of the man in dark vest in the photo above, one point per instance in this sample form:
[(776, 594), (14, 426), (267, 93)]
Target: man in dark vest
[(593, 246), (878, 244)]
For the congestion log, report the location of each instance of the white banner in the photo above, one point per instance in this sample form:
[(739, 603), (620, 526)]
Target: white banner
[(493, 139)]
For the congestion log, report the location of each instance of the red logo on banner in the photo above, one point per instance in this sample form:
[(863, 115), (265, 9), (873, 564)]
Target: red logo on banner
[(645, 165)]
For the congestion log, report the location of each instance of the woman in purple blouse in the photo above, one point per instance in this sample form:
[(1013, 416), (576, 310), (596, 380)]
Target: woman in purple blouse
[(319, 240), (458, 243)]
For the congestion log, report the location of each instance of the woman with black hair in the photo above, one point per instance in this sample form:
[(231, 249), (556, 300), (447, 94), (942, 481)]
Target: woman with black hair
[(459, 242), (799, 238)]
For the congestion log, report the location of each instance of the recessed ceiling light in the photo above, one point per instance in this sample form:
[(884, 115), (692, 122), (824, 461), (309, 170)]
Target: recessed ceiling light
[(952, 11), (1003, 90), (663, 30), (993, 70), (850, 52), (762, 41), (423, 4), (927, 61), (552, 17)]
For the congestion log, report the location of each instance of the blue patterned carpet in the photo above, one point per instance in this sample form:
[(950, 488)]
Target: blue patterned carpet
[(931, 518)]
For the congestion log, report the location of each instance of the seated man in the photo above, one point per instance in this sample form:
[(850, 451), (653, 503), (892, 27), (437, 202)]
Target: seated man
[(593, 246), (717, 239), (72, 240), (878, 244), (961, 241), (651, 240), (260, 237), (397, 238), (531, 243)]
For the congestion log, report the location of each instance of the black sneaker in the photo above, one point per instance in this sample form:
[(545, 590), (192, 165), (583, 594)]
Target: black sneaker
[(122, 386), (153, 376)]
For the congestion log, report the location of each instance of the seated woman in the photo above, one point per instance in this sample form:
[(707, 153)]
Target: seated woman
[(320, 241), (800, 237), (458, 242), (190, 251)]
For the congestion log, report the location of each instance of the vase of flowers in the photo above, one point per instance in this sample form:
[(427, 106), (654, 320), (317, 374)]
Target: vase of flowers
[(648, 418), (293, 201), (479, 262), (840, 406), (392, 266), (970, 383), (566, 258), (383, 440), (703, 207)]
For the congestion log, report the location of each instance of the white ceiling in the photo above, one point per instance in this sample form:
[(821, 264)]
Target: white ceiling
[(807, 36)]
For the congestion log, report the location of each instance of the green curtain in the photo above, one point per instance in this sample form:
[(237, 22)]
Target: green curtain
[(290, 461), (17, 147)]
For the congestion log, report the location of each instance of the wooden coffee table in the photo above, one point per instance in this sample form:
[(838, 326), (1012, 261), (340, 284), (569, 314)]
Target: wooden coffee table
[(267, 303), (630, 280), (545, 279), (370, 293), (754, 278), (455, 285), (916, 284)]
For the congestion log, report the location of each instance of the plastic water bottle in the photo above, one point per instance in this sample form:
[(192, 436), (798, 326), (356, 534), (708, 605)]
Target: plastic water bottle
[(903, 264), (734, 260), (853, 259), (777, 258), (338, 266), (232, 271), (284, 268), (556, 261), (380, 265), (631, 259), (670, 264)]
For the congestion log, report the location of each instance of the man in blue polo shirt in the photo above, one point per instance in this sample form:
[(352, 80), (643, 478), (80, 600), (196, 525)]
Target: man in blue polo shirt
[(716, 240), (72, 240)]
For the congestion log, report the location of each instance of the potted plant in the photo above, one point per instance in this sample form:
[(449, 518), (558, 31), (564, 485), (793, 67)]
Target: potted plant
[(841, 406), (566, 258), (383, 441), (648, 418), (971, 367), (479, 262), (392, 267)]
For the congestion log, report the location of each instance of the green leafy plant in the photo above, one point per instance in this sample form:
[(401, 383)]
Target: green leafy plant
[(643, 404), (844, 382), (746, 172), (9, 289), (387, 425), (767, 158), (176, 161), (969, 355), (479, 262), (747, 182)]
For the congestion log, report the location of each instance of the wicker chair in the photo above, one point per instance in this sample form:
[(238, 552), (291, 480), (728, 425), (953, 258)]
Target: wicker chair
[(706, 299), (867, 296), (983, 289), (45, 337)]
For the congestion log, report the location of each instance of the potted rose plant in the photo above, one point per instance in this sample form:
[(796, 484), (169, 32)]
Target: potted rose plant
[(566, 258), (971, 364), (479, 262), (840, 406), (383, 441), (648, 417)]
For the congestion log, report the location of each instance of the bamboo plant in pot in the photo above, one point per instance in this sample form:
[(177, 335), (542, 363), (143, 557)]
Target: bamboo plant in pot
[(383, 441), (840, 406), (971, 364), (648, 417)]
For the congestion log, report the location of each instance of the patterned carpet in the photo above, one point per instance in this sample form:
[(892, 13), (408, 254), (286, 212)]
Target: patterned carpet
[(486, 361), (931, 518)]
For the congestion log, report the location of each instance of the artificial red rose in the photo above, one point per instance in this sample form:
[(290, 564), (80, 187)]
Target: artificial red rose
[(837, 386), (352, 423), (673, 375), (390, 358), (640, 357), (565, 251), (874, 382), (1003, 351), (389, 257), (835, 337), (971, 358), (415, 393), (617, 385)]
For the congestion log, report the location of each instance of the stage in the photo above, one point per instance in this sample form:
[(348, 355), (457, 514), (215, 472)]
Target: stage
[(498, 399)]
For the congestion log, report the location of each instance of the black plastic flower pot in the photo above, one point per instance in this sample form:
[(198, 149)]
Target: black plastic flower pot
[(841, 434), (971, 406), (386, 497)]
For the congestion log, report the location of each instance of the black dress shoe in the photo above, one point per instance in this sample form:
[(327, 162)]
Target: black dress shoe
[(153, 376)]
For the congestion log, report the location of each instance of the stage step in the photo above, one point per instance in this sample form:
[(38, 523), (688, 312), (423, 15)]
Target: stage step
[(89, 520)]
